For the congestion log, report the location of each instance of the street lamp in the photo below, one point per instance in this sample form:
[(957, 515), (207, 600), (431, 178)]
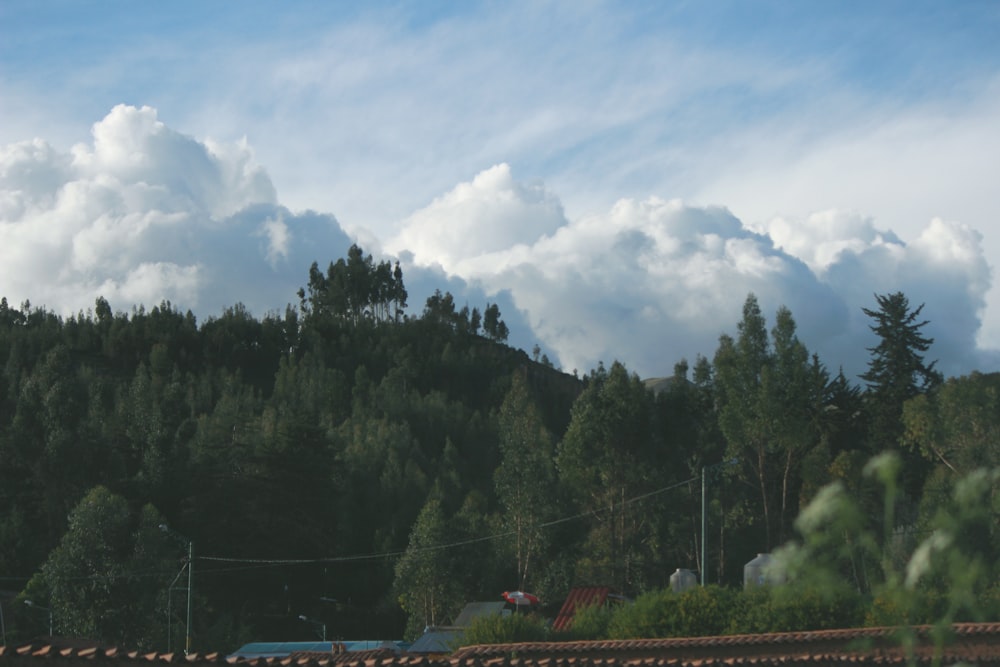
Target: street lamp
[(190, 568), (31, 604), (311, 621)]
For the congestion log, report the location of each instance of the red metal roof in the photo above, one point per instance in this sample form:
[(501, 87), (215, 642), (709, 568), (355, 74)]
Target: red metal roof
[(578, 598)]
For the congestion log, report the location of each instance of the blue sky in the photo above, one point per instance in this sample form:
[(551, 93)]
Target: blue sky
[(617, 175)]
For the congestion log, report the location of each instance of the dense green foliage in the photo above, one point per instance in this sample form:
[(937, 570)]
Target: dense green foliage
[(348, 462), (88, 579), (511, 628)]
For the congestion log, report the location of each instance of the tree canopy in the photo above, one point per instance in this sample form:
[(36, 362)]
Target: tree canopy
[(349, 462)]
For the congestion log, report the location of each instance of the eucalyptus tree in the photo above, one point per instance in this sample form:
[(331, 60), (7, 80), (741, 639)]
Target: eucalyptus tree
[(958, 424), (769, 397), (425, 582), (525, 477), (796, 389), (355, 289), (606, 459), (107, 579)]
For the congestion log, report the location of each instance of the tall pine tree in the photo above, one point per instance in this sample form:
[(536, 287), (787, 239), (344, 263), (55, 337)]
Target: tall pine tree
[(896, 371)]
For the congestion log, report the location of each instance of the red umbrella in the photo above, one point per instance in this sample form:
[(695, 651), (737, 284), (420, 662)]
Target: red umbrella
[(520, 598)]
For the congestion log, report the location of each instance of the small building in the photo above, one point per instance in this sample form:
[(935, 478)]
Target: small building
[(441, 640)]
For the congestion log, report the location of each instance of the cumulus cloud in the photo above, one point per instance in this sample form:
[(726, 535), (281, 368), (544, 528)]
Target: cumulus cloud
[(652, 281), (944, 267), (490, 214), (143, 214), (277, 235)]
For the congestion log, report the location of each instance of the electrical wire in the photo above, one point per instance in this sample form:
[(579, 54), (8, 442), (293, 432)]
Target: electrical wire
[(245, 564), (434, 547)]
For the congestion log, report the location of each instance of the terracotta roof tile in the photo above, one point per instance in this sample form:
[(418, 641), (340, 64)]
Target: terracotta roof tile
[(974, 643)]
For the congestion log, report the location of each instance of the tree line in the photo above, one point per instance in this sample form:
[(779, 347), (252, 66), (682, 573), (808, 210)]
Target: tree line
[(349, 462)]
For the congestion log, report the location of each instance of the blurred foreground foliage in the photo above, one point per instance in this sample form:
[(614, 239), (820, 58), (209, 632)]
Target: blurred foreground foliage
[(952, 575)]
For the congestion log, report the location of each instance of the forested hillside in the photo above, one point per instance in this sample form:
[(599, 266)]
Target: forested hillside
[(354, 464)]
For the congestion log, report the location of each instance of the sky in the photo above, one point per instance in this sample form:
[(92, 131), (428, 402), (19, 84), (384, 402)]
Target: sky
[(616, 176)]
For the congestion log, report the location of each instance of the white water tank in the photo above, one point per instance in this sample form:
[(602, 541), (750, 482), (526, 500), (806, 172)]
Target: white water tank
[(682, 580), (762, 571)]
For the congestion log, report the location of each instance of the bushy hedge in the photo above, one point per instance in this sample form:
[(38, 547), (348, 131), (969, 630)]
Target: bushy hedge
[(795, 608), (697, 612), (497, 629), (590, 622), (714, 610)]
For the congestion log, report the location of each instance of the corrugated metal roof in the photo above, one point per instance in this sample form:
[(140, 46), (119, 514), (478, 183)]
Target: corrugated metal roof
[(284, 649), (578, 598), (281, 649), (437, 641)]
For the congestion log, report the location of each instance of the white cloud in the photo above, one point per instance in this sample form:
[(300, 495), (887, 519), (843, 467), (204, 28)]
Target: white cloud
[(144, 214), (902, 165), (172, 282), (278, 237), (487, 215), (878, 120), (170, 171), (652, 281), (823, 237)]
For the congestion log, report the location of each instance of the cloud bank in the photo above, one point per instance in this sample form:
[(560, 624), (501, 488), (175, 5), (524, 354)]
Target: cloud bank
[(142, 214), (653, 281)]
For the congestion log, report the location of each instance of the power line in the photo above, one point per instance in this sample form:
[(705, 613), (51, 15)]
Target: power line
[(435, 547), (260, 563)]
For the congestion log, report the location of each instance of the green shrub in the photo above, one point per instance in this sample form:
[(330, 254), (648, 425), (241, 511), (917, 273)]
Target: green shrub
[(750, 612), (650, 616), (989, 600), (497, 629), (704, 611), (590, 622), (794, 608), (694, 613)]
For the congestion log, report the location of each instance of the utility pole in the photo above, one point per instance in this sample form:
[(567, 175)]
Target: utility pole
[(701, 568), (170, 598), (190, 587), (187, 640)]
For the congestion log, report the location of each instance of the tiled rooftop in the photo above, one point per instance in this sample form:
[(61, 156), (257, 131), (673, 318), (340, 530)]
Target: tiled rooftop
[(988, 633), (974, 643)]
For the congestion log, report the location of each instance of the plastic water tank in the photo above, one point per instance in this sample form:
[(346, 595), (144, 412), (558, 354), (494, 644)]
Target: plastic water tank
[(761, 571), (682, 580)]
